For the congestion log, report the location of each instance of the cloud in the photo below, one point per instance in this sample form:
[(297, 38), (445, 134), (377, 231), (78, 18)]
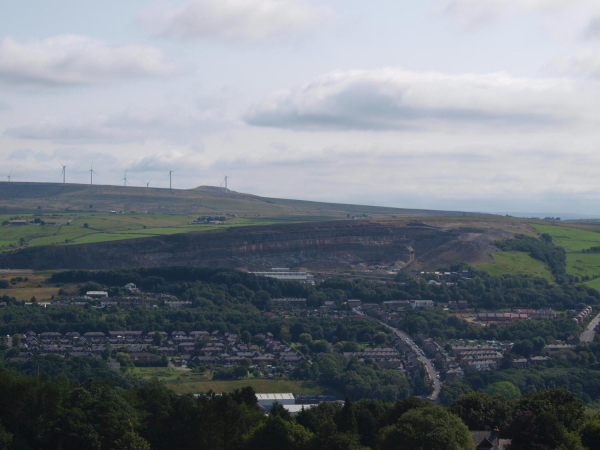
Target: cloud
[(246, 20), (394, 99), (73, 59), (592, 31), (171, 124), (472, 12), (586, 62)]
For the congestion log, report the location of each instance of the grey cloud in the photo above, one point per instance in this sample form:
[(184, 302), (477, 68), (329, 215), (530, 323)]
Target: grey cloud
[(77, 60), (393, 99), (27, 153), (173, 125), (592, 31)]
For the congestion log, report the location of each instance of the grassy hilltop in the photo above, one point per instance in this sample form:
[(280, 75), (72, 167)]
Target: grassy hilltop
[(57, 197)]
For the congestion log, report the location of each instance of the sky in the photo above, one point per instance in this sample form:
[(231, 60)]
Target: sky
[(468, 105)]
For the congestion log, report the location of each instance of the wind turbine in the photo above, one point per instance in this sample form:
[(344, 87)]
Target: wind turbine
[(224, 182), (170, 172), (148, 183), (92, 174), (125, 180), (64, 171), (9, 178)]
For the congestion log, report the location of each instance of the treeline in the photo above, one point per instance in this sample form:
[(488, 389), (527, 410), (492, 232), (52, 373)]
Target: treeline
[(581, 381), (222, 286), (442, 326), (55, 413), (74, 369), (541, 249)]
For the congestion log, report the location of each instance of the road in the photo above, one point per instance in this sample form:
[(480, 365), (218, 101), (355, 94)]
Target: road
[(588, 335), (437, 386)]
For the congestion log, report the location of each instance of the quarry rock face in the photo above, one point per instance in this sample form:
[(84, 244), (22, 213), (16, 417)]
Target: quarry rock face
[(316, 245)]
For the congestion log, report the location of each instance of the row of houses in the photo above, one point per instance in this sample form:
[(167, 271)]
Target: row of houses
[(386, 358), (478, 358), (544, 313), (443, 361), (580, 318), (199, 347)]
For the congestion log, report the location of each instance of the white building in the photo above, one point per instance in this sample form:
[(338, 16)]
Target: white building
[(267, 400), (96, 294), (287, 274), (422, 304)]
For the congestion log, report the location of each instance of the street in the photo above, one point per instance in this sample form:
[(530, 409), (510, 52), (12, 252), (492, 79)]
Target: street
[(437, 385), (588, 335)]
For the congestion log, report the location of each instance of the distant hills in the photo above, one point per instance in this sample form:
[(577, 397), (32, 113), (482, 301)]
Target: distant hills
[(56, 197)]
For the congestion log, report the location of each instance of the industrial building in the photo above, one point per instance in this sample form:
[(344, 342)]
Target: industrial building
[(287, 275)]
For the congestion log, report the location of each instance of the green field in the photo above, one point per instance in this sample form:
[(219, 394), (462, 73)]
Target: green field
[(187, 382), (574, 241), (571, 239), (104, 227), (583, 264), (260, 386), (515, 263), (34, 286), (595, 284)]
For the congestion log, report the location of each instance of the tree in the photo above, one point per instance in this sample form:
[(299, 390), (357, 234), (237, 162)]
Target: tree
[(240, 371), (5, 438), (276, 434), (284, 334), (452, 390), (246, 336), (305, 339), (262, 300), (347, 423), (505, 390), (132, 441), (431, 428), (16, 340), (538, 343), (480, 411), (86, 225), (123, 358), (106, 353), (380, 338), (157, 339), (590, 434), (278, 410)]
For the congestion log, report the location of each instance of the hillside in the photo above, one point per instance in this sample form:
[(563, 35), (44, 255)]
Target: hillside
[(57, 197), (331, 245)]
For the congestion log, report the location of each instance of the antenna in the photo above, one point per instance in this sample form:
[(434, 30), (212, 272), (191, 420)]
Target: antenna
[(92, 174), (170, 172), (124, 179), (64, 172), (148, 183)]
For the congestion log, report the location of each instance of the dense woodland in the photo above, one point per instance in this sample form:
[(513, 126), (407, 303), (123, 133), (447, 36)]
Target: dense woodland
[(55, 413)]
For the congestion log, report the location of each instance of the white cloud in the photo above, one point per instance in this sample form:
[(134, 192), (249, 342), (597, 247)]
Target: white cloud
[(72, 59), (395, 99), (236, 19)]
